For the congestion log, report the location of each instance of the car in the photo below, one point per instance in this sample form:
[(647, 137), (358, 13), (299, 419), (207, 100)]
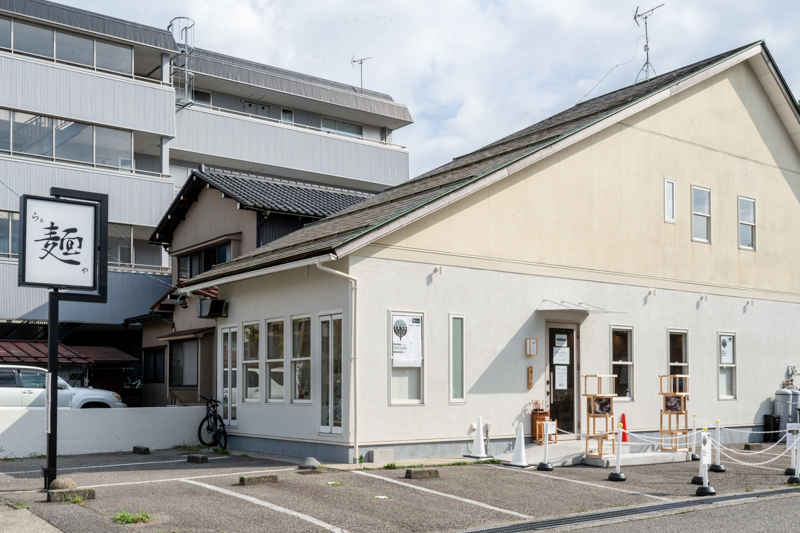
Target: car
[(23, 387)]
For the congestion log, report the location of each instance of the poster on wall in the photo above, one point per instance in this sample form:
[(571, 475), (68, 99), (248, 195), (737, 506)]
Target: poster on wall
[(406, 340), (726, 349), (561, 340), (560, 355), (561, 378)]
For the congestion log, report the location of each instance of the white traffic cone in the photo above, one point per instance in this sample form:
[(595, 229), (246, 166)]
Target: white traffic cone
[(478, 446), (519, 450)]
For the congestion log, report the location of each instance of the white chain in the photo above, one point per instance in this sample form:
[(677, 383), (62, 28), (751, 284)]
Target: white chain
[(660, 440), (712, 425), (754, 464), (740, 452)]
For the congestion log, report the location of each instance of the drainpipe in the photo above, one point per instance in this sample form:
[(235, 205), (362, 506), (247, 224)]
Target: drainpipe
[(353, 348)]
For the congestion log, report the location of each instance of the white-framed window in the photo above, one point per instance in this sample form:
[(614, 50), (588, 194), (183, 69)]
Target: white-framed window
[(330, 374), (678, 354), (202, 97), (301, 359), (407, 357), (340, 127), (9, 234), (622, 359), (669, 200), (287, 115), (183, 357), (228, 372), (275, 361), (726, 353), (251, 362), (701, 214), (458, 361), (747, 223)]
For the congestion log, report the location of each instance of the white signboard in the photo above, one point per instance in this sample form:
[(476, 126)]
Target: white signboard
[(561, 340), (406, 340), (726, 349), (47, 399), (550, 428), (560, 355), (705, 448), (561, 377), (58, 239), (531, 347), (791, 440)]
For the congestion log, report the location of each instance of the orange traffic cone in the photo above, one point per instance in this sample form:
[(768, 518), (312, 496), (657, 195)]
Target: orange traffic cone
[(625, 427)]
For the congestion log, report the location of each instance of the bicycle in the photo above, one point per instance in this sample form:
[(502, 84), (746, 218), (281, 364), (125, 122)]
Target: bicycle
[(212, 429)]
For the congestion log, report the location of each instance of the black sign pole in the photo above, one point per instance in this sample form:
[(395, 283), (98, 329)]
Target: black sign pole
[(50, 472)]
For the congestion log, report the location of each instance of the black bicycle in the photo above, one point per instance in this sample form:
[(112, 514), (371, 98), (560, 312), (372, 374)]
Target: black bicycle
[(212, 429)]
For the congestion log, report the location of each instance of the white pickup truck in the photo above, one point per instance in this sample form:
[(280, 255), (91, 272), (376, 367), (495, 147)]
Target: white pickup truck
[(23, 387)]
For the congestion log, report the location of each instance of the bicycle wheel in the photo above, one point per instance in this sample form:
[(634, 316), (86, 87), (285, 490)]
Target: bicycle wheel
[(222, 434), (205, 433)]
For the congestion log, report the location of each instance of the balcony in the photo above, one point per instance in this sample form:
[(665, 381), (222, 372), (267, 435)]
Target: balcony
[(248, 142), (44, 87)]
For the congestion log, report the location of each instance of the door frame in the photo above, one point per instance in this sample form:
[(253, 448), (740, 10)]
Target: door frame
[(576, 328), (330, 317), (221, 371)]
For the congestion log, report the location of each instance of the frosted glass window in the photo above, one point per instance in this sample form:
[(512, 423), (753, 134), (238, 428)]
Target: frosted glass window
[(669, 201), (74, 49), (701, 214), (5, 129), (457, 349), (33, 39), (114, 148), (114, 57), (5, 33), (74, 141), (406, 384), (33, 134), (747, 223)]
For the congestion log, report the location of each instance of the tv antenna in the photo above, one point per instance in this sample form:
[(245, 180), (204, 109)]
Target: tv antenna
[(647, 65), (361, 65)]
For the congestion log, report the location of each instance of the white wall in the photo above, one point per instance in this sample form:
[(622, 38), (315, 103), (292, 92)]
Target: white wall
[(83, 431)]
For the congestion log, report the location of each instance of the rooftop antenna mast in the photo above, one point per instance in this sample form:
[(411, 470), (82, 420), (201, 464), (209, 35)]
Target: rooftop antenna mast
[(361, 65), (647, 65)]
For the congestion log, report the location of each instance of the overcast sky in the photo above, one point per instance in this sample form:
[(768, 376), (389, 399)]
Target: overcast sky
[(474, 71)]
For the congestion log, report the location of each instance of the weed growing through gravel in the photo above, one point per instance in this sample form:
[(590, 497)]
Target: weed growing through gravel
[(582, 510), (71, 498), (21, 505), (244, 455), (390, 466), (748, 489), (125, 517), (217, 449), (336, 483), (34, 455), (6, 457)]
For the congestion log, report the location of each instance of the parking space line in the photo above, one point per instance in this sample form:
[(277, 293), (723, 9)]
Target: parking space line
[(465, 500), (582, 483), (268, 505), (110, 466), (185, 478)]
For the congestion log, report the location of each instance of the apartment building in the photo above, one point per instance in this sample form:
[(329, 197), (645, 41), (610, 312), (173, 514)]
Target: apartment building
[(100, 104)]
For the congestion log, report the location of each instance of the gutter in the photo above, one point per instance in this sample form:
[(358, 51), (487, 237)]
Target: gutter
[(353, 349)]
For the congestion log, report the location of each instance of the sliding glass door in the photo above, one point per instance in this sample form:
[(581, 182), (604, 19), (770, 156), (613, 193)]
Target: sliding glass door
[(330, 337)]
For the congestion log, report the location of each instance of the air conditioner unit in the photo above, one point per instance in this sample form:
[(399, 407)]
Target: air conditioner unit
[(212, 308)]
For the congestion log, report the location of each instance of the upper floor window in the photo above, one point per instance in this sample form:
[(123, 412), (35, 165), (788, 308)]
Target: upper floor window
[(287, 115), (9, 234), (5, 33), (669, 200), (332, 125), (128, 247), (701, 214), (747, 223), (31, 39), (192, 265), (202, 97)]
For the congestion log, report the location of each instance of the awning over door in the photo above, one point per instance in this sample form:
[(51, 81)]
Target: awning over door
[(572, 309)]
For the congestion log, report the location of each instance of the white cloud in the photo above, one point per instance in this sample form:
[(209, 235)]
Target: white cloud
[(472, 71)]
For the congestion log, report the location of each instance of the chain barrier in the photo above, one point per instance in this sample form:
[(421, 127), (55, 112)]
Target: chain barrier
[(742, 452), (712, 425), (661, 439), (754, 464)]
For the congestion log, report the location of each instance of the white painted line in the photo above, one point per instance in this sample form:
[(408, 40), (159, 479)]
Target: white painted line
[(582, 483), (268, 505), (184, 478), (110, 466), (465, 500)]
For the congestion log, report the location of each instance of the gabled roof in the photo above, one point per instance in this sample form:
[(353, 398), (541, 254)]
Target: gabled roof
[(258, 193), (370, 220)]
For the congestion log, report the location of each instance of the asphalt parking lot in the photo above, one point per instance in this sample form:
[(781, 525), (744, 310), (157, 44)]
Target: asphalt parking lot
[(181, 496)]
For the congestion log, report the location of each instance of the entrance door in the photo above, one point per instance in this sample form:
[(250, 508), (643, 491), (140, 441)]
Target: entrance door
[(228, 375), (330, 343), (563, 390)]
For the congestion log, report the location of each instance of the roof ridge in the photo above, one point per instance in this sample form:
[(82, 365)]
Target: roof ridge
[(283, 181)]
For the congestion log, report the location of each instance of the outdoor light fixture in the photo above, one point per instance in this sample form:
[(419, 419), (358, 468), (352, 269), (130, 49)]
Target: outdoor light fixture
[(652, 292), (438, 269)]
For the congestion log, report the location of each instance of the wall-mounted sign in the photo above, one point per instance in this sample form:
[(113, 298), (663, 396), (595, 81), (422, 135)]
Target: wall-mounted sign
[(59, 243), (561, 377), (406, 340), (560, 355), (561, 340), (531, 347), (726, 349)]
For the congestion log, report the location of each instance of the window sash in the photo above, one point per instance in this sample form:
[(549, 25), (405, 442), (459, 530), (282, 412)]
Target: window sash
[(669, 200), (623, 368), (457, 360), (701, 214), (301, 369), (747, 223)]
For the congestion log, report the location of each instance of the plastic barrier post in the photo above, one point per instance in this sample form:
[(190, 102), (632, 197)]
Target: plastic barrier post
[(545, 465), (705, 458), (792, 436), (717, 467), (616, 475), (695, 457), (698, 479)]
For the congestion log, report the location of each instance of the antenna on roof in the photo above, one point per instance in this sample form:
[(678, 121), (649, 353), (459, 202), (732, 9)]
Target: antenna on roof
[(647, 65), (360, 64)]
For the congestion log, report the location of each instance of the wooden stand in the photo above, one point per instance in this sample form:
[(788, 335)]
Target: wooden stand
[(675, 390), (600, 407), (540, 432), (537, 431)]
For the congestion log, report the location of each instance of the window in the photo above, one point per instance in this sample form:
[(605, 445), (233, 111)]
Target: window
[(250, 362), (9, 234), (622, 360), (74, 141), (727, 366), (275, 373), (287, 115), (114, 57), (74, 49), (8, 377), (669, 200), (126, 250), (701, 214), (340, 127), (5, 33), (33, 39), (195, 264), (457, 364), (202, 97), (154, 365), (407, 358), (228, 375), (678, 362), (113, 148), (5, 130), (330, 370), (301, 359), (32, 134), (119, 244), (747, 223), (183, 364)]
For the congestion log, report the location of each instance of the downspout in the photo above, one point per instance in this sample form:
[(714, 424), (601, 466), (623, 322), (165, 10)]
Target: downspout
[(353, 348)]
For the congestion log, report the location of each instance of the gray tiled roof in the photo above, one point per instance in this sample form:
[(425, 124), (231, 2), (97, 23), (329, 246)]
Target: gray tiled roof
[(326, 235)]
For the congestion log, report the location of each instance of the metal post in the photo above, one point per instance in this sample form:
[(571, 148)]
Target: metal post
[(717, 467), (545, 464), (616, 475), (695, 457), (50, 472)]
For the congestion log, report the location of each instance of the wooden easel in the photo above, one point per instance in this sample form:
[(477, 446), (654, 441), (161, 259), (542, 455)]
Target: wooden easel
[(675, 390), (600, 406)]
